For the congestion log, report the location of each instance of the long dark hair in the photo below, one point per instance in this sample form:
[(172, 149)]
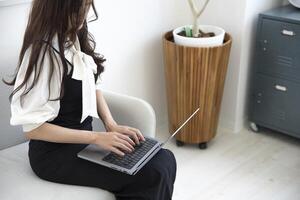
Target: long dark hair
[(47, 18)]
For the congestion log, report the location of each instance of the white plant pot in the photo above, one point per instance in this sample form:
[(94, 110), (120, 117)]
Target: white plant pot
[(200, 42)]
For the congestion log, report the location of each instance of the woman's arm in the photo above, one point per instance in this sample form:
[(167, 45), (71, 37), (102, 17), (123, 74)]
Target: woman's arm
[(112, 141), (54, 133), (110, 124), (103, 111)]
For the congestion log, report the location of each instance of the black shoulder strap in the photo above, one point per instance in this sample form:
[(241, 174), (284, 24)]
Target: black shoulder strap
[(57, 52), (95, 75)]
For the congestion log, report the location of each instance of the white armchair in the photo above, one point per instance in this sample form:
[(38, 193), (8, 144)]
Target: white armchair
[(17, 181), (131, 111)]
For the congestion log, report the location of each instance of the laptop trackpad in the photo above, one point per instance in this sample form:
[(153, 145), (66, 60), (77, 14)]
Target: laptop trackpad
[(93, 151)]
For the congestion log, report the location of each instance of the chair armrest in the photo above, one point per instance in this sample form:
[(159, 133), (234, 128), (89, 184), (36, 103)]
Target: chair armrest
[(130, 111)]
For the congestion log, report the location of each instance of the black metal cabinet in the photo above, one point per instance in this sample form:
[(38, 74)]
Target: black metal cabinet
[(275, 99)]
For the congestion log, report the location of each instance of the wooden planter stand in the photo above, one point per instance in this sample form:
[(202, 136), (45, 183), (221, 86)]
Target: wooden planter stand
[(194, 78)]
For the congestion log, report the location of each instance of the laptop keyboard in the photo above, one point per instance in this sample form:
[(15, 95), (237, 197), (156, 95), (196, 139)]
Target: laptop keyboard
[(130, 159)]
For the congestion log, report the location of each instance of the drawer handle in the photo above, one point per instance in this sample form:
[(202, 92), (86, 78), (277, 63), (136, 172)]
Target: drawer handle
[(288, 33), (280, 88)]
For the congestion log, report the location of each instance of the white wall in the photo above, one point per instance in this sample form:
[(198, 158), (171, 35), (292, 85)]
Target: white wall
[(129, 34), (239, 18), (285, 2), (141, 51), (12, 23)]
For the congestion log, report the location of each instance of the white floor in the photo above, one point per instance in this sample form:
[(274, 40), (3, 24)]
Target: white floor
[(244, 166)]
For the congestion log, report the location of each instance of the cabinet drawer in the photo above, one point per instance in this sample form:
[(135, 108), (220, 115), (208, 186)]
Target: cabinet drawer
[(279, 49), (276, 103)]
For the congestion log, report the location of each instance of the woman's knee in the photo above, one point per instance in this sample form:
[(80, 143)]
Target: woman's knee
[(166, 164), (169, 157), (171, 154), (172, 162)]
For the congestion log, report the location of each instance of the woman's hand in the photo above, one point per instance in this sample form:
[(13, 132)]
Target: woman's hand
[(133, 133), (114, 141)]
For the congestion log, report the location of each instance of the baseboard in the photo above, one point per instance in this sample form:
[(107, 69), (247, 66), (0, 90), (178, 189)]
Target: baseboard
[(229, 125)]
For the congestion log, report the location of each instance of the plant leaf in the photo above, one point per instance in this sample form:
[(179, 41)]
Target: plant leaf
[(188, 31)]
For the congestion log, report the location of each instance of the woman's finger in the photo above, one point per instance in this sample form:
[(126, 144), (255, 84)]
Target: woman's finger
[(123, 141), (134, 135), (118, 137), (128, 139), (131, 133), (116, 151), (140, 135), (122, 146)]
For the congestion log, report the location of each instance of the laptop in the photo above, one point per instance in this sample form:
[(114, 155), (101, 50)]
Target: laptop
[(131, 162)]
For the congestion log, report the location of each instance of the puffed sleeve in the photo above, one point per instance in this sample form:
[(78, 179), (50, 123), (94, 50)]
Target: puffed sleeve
[(36, 108), (98, 82)]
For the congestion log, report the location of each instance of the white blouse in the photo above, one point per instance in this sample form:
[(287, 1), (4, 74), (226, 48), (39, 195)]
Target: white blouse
[(36, 108)]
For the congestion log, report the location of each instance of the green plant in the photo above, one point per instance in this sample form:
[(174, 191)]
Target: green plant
[(196, 14)]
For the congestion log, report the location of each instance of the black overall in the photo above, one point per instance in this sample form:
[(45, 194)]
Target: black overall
[(58, 162)]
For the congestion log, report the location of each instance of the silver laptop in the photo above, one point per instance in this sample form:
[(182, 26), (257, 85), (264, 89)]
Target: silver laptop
[(131, 162)]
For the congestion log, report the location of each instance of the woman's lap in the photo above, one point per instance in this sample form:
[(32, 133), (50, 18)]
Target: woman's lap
[(157, 176)]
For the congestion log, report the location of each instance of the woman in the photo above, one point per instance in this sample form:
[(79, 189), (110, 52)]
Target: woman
[(56, 94)]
